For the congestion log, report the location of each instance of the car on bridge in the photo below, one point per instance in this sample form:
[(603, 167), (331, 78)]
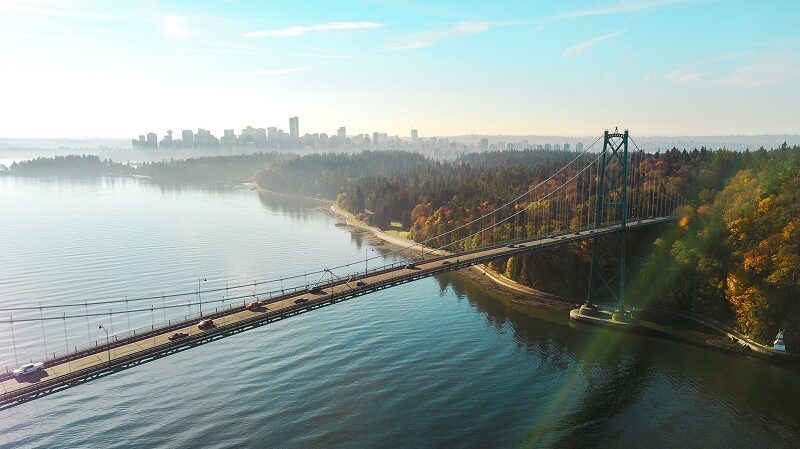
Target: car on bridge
[(315, 289), (205, 324), (300, 300), (360, 283), (28, 368), (411, 266), (446, 262), (255, 305), (510, 245), (178, 336)]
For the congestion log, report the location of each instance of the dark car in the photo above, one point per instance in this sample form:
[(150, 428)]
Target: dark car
[(411, 266), (178, 336), (446, 262), (205, 324), (510, 245), (300, 300), (361, 283), (315, 289)]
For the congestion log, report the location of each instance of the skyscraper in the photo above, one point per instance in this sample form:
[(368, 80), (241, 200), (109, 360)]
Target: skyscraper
[(414, 135), (579, 147), (341, 134), (187, 138), (484, 144), (566, 147), (166, 142), (294, 128)]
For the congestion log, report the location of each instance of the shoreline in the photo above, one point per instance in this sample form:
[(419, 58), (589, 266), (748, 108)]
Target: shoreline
[(517, 293), (480, 274)]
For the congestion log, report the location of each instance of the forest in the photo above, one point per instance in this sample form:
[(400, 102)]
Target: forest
[(733, 254), (209, 169)]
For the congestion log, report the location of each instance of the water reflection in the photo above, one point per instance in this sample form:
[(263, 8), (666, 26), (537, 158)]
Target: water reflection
[(293, 207), (609, 394), (396, 368)]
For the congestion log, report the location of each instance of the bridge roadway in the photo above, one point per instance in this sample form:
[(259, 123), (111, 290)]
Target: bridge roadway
[(68, 371)]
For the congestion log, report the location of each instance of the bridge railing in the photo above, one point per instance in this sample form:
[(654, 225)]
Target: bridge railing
[(122, 338), (271, 296)]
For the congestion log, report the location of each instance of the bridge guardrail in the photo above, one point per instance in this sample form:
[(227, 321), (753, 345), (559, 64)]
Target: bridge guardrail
[(100, 345), (266, 317)]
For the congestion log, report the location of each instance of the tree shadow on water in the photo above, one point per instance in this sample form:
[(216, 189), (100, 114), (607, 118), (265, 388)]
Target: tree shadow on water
[(589, 425)]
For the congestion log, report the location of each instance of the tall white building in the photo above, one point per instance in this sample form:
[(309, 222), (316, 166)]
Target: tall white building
[(294, 128)]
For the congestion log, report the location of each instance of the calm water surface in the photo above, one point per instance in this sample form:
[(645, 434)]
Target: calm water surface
[(435, 363)]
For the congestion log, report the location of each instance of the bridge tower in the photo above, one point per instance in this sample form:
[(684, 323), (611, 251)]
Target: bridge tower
[(611, 206)]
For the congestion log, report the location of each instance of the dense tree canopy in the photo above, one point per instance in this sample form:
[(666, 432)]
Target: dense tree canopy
[(198, 170), (734, 254)]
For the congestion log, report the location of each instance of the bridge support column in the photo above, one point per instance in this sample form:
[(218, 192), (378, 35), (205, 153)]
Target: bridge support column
[(611, 206)]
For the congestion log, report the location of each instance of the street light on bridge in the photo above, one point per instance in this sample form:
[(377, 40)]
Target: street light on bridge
[(199, 298), (108, 345), (366, 257)]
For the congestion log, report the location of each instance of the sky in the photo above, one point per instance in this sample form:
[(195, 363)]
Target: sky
[(82, 68)]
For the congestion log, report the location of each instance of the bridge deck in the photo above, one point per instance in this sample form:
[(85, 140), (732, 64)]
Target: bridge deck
[(138, 349)]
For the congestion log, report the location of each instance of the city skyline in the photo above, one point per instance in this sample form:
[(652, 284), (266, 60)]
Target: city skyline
[(275, 138), (77, 68)]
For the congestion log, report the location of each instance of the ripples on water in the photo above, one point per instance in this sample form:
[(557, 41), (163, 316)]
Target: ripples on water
[(435, 363)]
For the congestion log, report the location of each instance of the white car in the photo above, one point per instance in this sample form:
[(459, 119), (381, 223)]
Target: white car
[(28, 368)]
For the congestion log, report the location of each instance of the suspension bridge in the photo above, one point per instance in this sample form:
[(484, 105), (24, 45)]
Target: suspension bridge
[(596, 194)]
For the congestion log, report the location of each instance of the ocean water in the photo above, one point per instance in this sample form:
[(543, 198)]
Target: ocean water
[(435, 363)]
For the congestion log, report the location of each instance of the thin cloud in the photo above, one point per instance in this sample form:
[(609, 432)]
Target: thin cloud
[(49, 9), (244, 51), (286, 71), (317, 28), (175, 26), (706, 69), (680, 76), (463, 29), (764, 70), (583, 46), (622, 7), (430, 38), (46, 37), (739, 69)]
